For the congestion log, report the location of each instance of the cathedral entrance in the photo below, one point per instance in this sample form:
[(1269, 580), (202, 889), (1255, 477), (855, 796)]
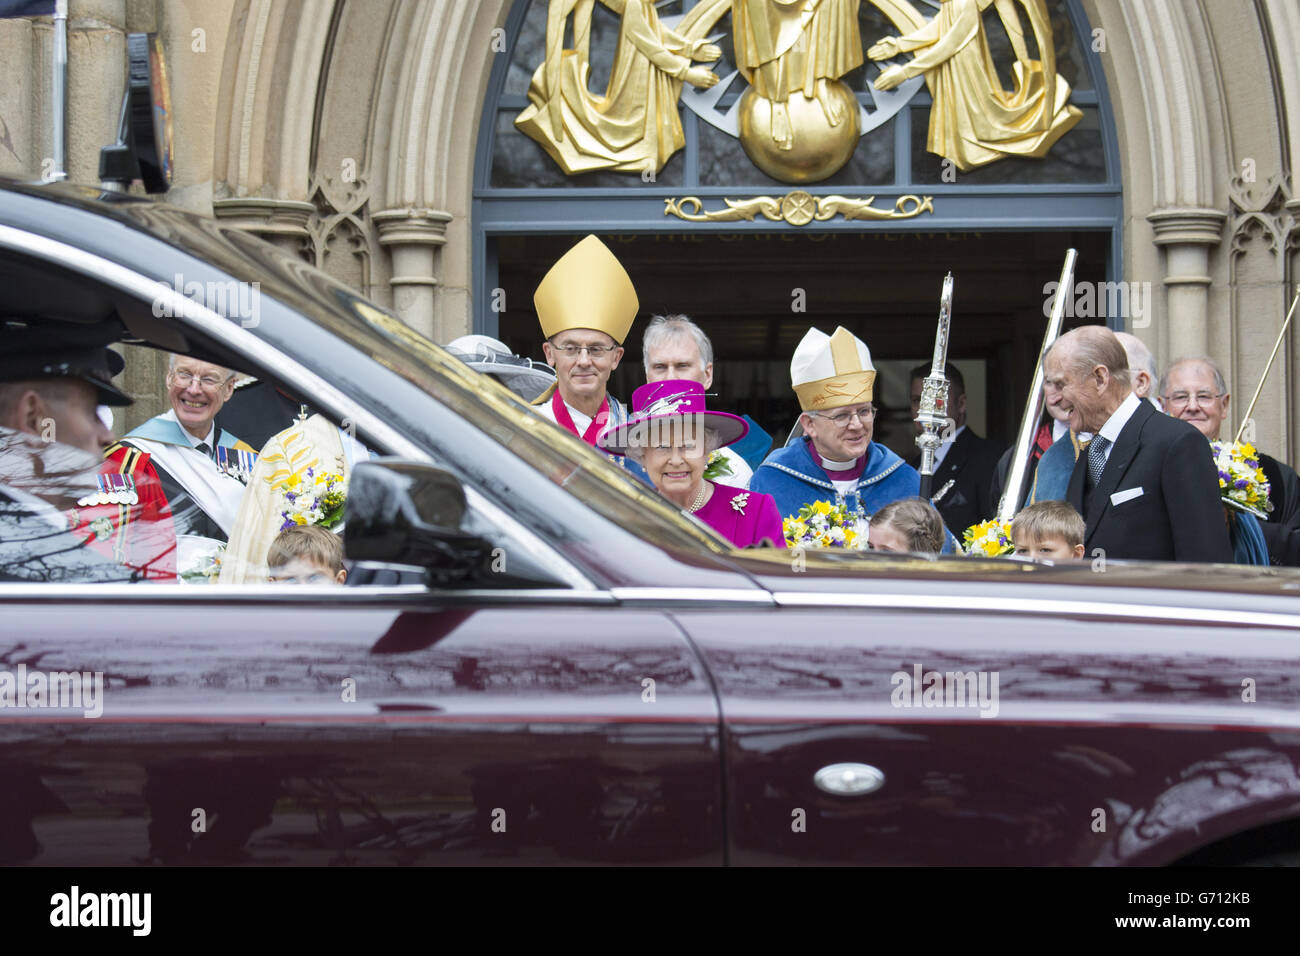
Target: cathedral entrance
[(756, 294), (765, 170)]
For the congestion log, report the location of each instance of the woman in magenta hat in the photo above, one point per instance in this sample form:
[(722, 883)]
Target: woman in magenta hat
[(671, 434)]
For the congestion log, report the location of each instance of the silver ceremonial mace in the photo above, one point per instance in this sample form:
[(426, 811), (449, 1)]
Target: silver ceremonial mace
[(933, 415)]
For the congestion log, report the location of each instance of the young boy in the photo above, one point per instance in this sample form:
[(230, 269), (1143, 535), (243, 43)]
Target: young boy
[(906, 525), (306, 554), (1048, 530)]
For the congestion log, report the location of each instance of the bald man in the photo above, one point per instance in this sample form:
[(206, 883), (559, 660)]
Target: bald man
[(1141, 365), (1146, 484)]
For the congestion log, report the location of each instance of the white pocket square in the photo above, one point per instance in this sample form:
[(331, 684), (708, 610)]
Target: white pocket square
[(1119, 497)]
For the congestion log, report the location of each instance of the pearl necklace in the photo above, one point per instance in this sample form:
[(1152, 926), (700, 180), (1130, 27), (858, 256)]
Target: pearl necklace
[(698, 503)]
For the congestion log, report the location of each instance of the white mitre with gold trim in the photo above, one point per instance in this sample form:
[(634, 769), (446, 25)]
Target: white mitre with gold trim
[(829, 371)]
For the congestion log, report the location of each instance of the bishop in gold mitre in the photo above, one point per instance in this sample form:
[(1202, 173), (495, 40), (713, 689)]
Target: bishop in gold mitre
[(834, 460), (586, 305)]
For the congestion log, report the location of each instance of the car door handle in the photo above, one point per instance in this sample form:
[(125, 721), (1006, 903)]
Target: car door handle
[(849, 779)]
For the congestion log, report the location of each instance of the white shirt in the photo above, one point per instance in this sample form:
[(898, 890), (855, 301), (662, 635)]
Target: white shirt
[(830, 467), (943, 449), (580, 421), (210, 440), (1059, 429), (1115, 424)]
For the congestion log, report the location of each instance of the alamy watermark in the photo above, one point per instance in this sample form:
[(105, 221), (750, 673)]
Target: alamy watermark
[(1102, 300), (22, 689), (76, 908), (241, 301), (923, 688)]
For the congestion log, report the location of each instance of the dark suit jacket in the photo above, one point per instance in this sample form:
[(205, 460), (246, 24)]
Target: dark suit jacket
[(969, 464), (1282, 529), (1177, 517)]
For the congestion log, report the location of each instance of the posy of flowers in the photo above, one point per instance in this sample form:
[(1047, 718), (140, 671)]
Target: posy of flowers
[(824, 525), (1242, 483), (313, 498), (988, 539)]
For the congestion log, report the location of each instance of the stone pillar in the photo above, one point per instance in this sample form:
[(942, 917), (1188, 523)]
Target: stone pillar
[(280, 221), (22, 141), (413, 238), (1187, 236)]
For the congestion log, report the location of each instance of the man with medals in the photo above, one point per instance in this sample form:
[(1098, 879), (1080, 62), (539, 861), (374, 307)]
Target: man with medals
[(65, 514), (835, 459), (202, 468), (586, 305)]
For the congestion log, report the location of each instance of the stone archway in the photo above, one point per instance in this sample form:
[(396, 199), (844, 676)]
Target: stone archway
[(345, 132)]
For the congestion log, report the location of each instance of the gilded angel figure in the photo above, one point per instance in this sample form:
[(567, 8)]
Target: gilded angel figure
[(634, 126), (973, 120)]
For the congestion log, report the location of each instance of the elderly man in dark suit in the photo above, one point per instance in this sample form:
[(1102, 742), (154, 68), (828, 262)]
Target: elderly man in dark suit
[(1194, 390), (964, 465), (1146, 484)]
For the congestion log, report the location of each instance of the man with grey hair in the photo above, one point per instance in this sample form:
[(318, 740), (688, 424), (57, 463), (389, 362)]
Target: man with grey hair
[(1146, 487), (674, 347), (1194, 390), (202, 467), (1142, 366)]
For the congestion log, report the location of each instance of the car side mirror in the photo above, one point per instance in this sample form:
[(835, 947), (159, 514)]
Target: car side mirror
[(408, 513)]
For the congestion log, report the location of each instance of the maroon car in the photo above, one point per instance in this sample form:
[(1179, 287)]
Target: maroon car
[(541, 661)]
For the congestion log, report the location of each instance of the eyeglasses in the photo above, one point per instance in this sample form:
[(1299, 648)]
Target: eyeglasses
[(595, 351), (185, 379), (842, 419), (1181, 399)]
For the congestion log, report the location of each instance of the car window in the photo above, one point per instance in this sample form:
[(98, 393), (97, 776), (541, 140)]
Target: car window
[(343, 319), (142, 515)]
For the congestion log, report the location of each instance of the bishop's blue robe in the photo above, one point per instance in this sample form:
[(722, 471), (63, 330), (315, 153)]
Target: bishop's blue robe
[(794, 479)]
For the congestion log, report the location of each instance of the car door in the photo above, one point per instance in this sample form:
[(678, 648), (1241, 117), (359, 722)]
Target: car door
[(367, 725), (372, 724), (895, 720)]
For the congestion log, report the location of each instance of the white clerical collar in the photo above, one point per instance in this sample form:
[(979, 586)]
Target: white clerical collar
[(830, 464), (1119, 418), (210, 440), (1059, 429)]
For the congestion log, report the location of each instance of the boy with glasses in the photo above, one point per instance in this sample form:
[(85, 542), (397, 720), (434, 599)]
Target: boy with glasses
[(835, 460)]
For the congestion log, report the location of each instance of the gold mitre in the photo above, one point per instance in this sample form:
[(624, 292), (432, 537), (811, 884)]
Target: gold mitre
[(829, 371), (587, 289)]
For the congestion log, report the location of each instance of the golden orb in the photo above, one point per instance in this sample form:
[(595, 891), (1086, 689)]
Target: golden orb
[(814, 149)]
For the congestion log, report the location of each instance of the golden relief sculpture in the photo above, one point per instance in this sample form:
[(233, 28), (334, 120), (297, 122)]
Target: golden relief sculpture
[(798, 208), (974, 121), (797, 120), (635, 125)]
